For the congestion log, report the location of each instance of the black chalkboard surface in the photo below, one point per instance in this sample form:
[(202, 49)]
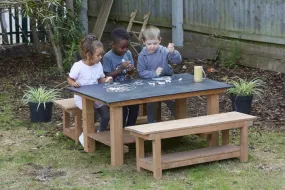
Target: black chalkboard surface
[(138, 88)]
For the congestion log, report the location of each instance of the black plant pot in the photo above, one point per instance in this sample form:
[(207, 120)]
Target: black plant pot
[(241, 103), (42, 114)]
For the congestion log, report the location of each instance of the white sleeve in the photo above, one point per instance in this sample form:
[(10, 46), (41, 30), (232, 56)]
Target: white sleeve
[(74, 71), (102, 75)]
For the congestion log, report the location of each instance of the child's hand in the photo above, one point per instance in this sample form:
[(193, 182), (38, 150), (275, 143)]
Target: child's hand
[(109, 79), (130, 67), (125, 65), (171, 47), (158, 71), (76, 84)]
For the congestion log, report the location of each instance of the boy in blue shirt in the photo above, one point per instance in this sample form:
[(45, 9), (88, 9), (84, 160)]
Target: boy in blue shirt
[(119, 63), (153, 62)]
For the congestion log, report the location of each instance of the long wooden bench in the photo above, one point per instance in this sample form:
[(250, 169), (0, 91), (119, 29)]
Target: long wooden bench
[(70, 109), (204, 124)]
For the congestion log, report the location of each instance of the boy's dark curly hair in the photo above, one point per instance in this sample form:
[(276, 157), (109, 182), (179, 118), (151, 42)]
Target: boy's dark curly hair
[(119, 34)]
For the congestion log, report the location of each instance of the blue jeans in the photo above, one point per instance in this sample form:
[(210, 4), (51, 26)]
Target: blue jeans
[(152, 110), (132, 113)]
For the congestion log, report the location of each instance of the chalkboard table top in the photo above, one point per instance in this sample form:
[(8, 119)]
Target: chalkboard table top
[(138, 88)]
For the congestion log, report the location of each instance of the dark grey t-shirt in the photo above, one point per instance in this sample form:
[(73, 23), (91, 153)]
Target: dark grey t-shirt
[(111, 62)]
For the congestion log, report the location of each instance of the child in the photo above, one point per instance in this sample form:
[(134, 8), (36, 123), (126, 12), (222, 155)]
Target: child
[(153, 62), (118, 63), (90, 71)]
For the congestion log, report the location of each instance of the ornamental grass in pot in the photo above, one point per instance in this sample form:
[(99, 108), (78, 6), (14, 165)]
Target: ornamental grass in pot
[(242, 93), (40, 101)]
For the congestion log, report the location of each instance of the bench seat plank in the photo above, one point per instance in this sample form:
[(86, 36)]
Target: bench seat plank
[(195, 122), (178, 159)]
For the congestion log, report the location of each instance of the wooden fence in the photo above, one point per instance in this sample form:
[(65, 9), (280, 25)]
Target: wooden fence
[(254, 20)]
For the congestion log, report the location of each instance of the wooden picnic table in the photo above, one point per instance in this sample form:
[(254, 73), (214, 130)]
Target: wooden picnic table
[(140, 91)]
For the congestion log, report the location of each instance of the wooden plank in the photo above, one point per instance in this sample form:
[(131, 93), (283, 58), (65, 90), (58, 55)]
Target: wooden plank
[(198, 130), (139, 151), (158, 98), (69, 132), (78, 126), (203, 155), (181, 110), (116, 131), (104, 137), (102, 18), (188, 123), (67, 104), (244, 143), (225, 137), (163, 98), (213, 108), (156, 157), (88, 124)]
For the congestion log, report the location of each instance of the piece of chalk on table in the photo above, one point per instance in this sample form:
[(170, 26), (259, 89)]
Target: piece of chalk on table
[(180, 79)]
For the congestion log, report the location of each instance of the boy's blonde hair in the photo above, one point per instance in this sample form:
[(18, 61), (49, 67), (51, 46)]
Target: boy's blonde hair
[(151, 33)]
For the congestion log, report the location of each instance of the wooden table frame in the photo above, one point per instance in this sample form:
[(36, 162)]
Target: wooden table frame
[(116, 128)]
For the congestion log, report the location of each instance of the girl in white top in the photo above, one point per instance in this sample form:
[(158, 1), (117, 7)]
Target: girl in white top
[(89, 71)]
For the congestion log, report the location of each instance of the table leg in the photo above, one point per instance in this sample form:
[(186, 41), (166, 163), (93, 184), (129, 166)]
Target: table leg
[(181, 108), (158, 112), (88, 124), (213, 108), (116, 132)]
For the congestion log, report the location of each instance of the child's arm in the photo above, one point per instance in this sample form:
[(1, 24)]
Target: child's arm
[(105, 80), (72, 82), (142, 70), (173, 56)]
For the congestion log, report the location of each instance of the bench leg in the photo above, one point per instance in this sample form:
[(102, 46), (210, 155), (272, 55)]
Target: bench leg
[(213, 108), (66, 120), (78, 126), (244, 143), (225, 137), (156, 153), (139, 151)]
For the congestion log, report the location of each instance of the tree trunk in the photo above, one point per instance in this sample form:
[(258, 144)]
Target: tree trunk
[(56, 49), (3, 27), (35, 35), (84, 17), (69, 6)]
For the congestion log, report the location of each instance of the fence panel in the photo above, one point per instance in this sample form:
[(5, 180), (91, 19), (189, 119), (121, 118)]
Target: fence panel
[(254, 20)]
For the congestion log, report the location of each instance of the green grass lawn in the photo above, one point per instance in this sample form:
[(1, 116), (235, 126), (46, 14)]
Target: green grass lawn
[(37, 156)]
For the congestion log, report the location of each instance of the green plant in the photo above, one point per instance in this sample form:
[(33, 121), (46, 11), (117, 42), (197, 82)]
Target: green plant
[(231, 58), (40, 95), (242, 87)]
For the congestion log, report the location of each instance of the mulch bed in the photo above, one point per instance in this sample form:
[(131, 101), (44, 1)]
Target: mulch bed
[(40, 69)]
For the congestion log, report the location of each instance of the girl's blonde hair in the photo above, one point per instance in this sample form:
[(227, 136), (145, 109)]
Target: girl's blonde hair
[(88, 45), (151, 33)]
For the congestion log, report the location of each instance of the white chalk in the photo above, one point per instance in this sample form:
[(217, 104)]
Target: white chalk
[(180, 79)]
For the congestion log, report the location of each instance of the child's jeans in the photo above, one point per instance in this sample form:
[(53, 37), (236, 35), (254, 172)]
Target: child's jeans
[(152, 110), (132, 113), (104, 114)]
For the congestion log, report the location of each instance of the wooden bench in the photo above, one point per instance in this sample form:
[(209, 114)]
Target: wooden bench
[(70, 109), (204, 124)]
